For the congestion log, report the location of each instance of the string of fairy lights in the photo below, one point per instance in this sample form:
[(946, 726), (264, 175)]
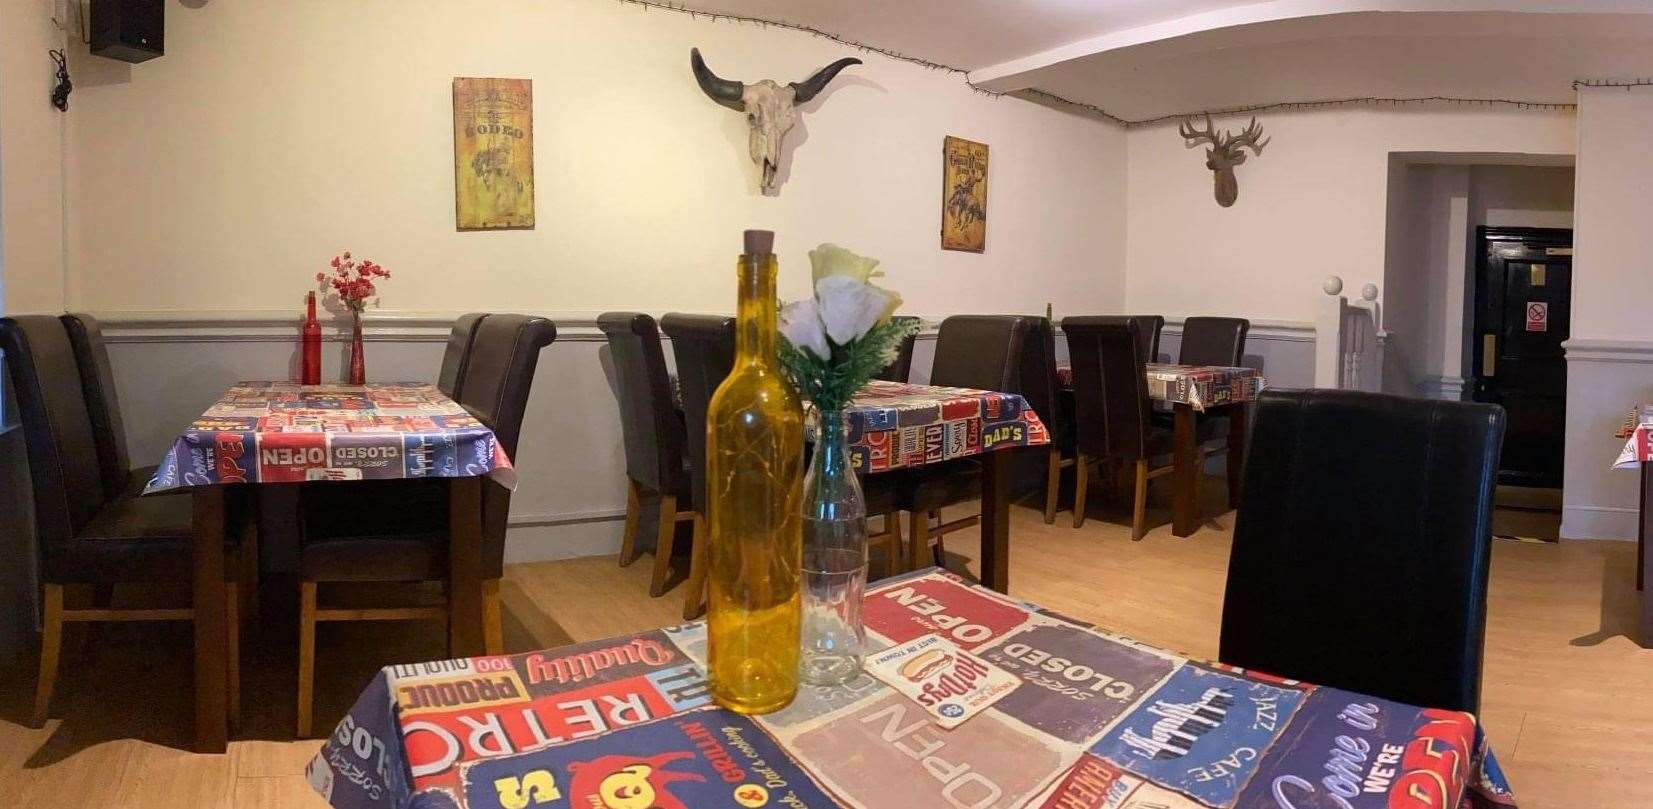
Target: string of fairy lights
[(1051, 99)]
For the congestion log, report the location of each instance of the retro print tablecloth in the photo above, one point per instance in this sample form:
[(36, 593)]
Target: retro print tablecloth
[(283, 432), (896, 424), (1097, 721), (1202, 386), (1638, 434)]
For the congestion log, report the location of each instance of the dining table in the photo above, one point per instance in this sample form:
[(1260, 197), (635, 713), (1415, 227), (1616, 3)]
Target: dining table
[(898, 425), (1190, 390), (1637, 433), (283, 433), (1083, 718)]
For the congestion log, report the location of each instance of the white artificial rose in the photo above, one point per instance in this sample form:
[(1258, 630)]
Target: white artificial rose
[(800, 321), (849, 308), (830, 260)]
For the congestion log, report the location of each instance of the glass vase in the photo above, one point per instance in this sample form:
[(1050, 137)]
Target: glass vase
[(754, 479), (835, 560), (358, 365)]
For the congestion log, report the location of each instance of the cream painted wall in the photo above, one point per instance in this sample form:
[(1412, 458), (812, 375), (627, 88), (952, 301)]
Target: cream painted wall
[(1522, 196), (1313, 204), (1610, 351), (272, 135), (31, 161)]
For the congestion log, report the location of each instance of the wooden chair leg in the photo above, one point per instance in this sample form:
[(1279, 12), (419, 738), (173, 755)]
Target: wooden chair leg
[(51, 643), (628, 539), (1081, 482), (493, 623), (232, 645), (1139, 507), (895, 561), (694, 590), (663, 543), (1053, 483), (919, 541), (306, 654)]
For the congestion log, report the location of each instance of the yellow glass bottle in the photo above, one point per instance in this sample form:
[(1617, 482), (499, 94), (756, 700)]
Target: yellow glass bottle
[(754, 479)]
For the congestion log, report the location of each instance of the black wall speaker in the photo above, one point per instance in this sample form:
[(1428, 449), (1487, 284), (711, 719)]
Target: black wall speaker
[(129, 30)]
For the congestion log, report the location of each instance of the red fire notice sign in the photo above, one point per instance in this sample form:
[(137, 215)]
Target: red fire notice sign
[(1538, 316)]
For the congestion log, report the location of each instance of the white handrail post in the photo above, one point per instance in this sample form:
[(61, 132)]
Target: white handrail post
[(1328, 335)]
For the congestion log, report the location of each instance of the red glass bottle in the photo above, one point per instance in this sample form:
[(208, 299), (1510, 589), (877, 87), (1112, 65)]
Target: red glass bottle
[(311, 374)]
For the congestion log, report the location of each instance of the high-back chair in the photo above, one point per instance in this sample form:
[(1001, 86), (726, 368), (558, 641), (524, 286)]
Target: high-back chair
[(1391, 547), (1148, 328), (704, 346), (97, 383), (984, 352), (409, 544), (901, 368), (88, 529), (654, 437), (1113, 415), (1038, 383), (1217, 341), (457, 354), (1213, 341)]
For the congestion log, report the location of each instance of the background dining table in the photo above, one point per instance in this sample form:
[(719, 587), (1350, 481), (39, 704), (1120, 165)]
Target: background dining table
[(1094, 719), (899, 425), (267, 433), (1637, 433), (1190, 390)]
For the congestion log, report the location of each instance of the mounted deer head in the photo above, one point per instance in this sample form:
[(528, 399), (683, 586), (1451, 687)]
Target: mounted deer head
[(1225, 153), (771, 109)]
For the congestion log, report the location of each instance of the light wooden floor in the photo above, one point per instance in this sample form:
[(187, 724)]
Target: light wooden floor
[(1568, 698)]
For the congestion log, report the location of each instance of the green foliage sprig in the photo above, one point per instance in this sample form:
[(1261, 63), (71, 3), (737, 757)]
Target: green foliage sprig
[(831, 382)]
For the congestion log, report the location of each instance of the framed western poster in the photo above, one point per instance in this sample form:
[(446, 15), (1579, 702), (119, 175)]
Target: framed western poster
[(493, 153), (963, 195)]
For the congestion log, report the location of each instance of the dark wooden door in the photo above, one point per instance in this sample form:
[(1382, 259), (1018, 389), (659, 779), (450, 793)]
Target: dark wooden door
[(1523, 303)]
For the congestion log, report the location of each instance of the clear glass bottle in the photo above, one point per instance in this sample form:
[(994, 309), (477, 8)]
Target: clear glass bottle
[(754, 478), (835, 559)]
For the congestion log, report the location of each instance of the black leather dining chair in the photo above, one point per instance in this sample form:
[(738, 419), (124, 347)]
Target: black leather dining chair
[(90, 531), (1038, 383), (1148, 328), (345, 543), (458, 352), (1365, 571), (901, 368), (1112, 412), (704, 347), (97, 382), (1213, 341), (656, 468), (984, 352)]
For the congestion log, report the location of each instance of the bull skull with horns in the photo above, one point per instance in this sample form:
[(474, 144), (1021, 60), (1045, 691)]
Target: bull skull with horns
[(1225, 153), (771, 109)]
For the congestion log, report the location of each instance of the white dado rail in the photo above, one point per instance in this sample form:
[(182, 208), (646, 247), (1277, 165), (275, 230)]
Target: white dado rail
[(1349, 345)]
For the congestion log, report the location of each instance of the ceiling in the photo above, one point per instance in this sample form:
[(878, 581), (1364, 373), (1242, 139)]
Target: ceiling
[(1142, 59)]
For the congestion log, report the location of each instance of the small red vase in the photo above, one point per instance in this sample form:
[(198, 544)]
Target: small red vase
[(358, 367)]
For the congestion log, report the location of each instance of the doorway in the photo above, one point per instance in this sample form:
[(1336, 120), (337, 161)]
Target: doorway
[(1522, 314)]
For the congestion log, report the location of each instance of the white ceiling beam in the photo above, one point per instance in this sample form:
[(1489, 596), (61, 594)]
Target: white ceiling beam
[(1021, 73)]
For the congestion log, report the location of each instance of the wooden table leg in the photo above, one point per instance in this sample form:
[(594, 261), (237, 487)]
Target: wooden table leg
[(996, 472), (1644, 560), (1641, 529), (211, 623), (1237, 414), (1185, 477), (465, 567)]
